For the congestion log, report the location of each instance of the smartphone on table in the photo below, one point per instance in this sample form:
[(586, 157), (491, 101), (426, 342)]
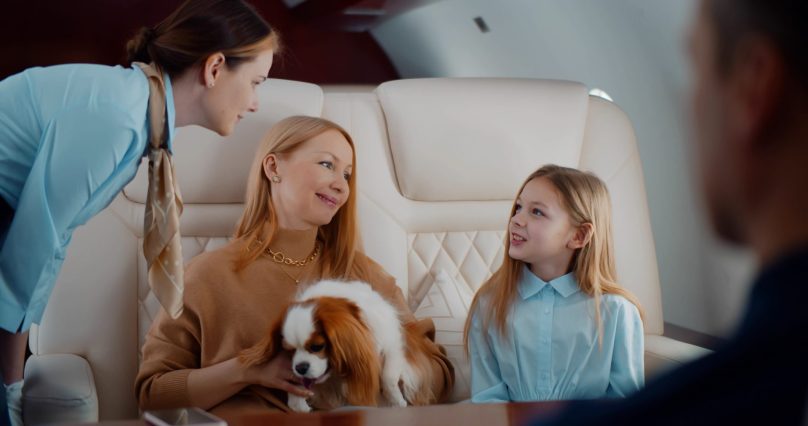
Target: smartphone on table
[(182, 416)]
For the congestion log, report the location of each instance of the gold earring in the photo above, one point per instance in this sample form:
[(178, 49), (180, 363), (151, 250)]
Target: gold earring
[(276, 179)]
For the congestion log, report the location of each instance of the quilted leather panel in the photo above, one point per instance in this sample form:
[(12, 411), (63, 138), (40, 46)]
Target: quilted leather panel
[(447, 302), (469, 257)]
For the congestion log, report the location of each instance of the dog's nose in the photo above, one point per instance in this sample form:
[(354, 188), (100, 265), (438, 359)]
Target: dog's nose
[(302, 368)]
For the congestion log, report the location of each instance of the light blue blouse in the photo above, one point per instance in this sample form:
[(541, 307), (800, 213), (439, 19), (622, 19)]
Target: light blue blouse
[(71, 137), (551, 351)]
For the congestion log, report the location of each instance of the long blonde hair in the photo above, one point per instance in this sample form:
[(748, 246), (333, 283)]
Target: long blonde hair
[(586, 199), (340, 237)]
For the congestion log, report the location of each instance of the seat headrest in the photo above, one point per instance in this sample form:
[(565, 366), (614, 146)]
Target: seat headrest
[(213, 169), (455, 140)]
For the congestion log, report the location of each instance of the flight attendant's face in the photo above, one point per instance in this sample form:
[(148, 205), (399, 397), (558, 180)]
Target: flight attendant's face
[(231, 94)]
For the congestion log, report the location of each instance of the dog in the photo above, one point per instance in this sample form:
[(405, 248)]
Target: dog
[(349, 345)]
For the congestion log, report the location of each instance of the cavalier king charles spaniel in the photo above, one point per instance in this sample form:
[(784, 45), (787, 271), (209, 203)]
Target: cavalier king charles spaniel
[(349, 345)]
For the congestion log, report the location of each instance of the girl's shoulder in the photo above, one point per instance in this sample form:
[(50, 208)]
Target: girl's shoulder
[(618, 304), (483, 305)]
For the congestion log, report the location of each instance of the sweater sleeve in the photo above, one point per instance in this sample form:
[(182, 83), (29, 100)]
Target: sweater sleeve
[(171, 351), (442, 370)]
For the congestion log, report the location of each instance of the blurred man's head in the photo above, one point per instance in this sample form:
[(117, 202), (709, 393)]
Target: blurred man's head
[(750, 70)]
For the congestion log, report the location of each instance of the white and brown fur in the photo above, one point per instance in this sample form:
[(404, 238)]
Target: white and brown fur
[(349, 345)]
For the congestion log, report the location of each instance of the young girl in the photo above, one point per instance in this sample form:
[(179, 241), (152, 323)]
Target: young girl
[(552, 323)]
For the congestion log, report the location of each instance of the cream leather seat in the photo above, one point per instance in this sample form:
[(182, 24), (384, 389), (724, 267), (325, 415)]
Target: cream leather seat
[(439, 161)]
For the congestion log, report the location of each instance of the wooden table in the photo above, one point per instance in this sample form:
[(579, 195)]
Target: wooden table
[(435, 415)]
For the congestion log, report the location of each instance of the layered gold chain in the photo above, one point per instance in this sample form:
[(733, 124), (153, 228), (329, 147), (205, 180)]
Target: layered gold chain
[(279, 257), (283, 260)]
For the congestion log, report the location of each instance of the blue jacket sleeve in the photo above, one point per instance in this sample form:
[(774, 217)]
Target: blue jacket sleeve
[(79, 152)]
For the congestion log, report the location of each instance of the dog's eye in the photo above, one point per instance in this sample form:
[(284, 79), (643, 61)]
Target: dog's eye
[(316, 348)]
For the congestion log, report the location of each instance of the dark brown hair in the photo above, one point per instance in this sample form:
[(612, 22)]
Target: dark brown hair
[(199, 28)]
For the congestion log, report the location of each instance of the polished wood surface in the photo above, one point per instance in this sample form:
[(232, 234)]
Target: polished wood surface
[(511, 414), (435, 415)]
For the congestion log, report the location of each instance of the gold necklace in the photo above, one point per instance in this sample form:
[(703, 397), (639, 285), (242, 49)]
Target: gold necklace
[(296, 280), (282, 260), (279, 257)]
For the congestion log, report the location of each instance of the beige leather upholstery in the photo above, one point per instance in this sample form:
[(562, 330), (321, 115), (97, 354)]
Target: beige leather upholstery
[(438, 164)]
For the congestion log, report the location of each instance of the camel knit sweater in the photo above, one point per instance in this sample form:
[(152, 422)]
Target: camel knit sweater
[(227, 311)]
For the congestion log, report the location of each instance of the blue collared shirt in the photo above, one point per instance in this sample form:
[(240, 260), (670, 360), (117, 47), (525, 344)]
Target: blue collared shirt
[(551, 350), (71, 137)]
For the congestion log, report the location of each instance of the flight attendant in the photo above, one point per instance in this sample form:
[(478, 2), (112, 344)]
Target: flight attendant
[(72, 136)]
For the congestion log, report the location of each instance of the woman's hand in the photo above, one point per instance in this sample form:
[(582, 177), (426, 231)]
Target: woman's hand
[(277, 374)]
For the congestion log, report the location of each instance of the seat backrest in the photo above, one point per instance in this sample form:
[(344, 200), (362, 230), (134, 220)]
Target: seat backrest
[(440, 161)]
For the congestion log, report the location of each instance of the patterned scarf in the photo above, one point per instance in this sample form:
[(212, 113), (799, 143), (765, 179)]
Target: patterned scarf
[(161, 228)]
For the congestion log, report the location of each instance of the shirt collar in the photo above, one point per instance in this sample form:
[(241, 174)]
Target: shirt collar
[(530, 284)]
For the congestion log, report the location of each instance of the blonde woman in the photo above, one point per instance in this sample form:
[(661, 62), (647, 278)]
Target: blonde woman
[(552, 323), (298, 226)]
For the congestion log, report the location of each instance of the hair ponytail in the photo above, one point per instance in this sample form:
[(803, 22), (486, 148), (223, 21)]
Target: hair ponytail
[(200, 28), (137, 49)]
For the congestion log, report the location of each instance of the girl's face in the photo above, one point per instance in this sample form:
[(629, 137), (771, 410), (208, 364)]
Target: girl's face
[(313, 180), (541, 232)]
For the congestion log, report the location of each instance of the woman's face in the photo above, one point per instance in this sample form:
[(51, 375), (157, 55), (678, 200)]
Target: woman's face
[(313, 180), (232, 93)]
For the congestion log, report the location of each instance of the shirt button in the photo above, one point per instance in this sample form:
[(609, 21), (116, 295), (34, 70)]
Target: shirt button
[(546, 310)]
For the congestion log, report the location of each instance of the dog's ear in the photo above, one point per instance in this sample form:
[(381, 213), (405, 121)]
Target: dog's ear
[(266, 349), (353, 350)]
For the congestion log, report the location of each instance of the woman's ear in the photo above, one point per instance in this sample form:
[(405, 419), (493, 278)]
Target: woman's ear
[(270, 165), (212, 69), (582, 236)]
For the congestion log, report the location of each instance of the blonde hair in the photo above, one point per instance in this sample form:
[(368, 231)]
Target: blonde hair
[(340, 237), (586, 199)]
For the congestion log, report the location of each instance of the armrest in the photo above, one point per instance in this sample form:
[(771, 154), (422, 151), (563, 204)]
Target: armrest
[(663, 353), (58, 388)]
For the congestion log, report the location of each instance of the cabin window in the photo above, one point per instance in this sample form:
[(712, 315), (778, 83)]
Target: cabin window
[(601, 94)]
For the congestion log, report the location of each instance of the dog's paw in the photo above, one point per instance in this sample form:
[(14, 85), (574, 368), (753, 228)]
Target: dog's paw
[(393, 394), (298, 404), (410, 384)]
